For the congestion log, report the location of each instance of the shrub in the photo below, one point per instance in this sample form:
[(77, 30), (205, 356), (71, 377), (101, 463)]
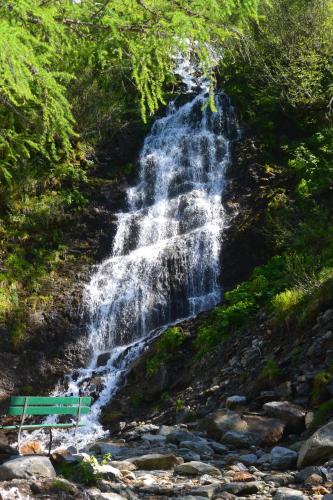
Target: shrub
[(165, 347)]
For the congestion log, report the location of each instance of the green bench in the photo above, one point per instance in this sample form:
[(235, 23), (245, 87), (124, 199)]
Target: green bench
[(23, 406)]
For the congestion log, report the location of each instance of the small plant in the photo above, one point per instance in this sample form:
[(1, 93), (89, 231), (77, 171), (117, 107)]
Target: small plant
[(270, 372), (83, 472), (137, 399), (106, 458), (319, 388), (180, 405), (285, 303), (323, 413), (165, 348)]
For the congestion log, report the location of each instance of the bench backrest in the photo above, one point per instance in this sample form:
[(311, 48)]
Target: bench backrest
[(53, 405)]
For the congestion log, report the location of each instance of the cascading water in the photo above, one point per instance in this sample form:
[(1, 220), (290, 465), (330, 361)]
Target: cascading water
[(165, 262)]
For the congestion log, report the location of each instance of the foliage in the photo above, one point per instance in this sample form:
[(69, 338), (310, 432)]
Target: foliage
[(319, 388), (165, 348), (323, 413), (270, 371), (83, 472)]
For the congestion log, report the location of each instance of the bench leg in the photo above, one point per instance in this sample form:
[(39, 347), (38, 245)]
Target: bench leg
[(50, 443)]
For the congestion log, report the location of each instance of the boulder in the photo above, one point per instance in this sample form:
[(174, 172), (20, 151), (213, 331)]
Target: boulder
[(156, 461), (200, 447), (240, 488), (234, 402), (303, 474), (177, 436), (318, 448), (248, 459), (219, 422), (292, 415), (288, 494), (197, 469), (270, 430), (283, 458), (123, 465), (241, 439), (107, 472), (26, 468)]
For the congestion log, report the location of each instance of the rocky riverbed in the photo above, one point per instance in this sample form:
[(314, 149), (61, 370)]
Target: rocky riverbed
[(230, 453)]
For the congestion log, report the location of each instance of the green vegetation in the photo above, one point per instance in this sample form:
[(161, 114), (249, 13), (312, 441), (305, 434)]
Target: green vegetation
[(165, 348), (270, 372), (323, 413), (83, 472), (279, 72), (71, 74)]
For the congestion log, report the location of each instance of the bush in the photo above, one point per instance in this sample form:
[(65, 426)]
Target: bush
[(165, 347)]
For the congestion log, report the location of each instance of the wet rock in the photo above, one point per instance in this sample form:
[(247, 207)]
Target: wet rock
[(283, 458), (240, 488), (156, 461), (318, 448), (103, 359), (288, 494), (197, 469), (234, 402), (27, 467), (293, 415)]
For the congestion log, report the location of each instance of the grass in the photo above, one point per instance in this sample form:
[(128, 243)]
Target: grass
[(164, 349)]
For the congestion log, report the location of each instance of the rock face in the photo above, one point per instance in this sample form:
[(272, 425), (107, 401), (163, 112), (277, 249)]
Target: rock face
[(318, 448), (198, 469), (156, 461), (292, 415), (26, 468)]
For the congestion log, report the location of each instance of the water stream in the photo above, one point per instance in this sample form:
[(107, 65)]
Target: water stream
[(165, 260)]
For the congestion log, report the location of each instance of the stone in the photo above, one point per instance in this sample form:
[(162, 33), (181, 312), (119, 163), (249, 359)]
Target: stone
[(281, 479), (176, 437), (242, 488), (283, 458), (63, 485), (31, 448), (123, 465), (218, 423), (156, 461), (188, 455), (105, 448), (197, 468), (318, 448), (199, 447), (288, 494), (26, 468), (292, 415), (241, 439), (107, 472), (103, 359), (249, 459), (328, 497), (303, 474), (154, 438), (270, 430), (234, 402), (219, 448), (96, 494)]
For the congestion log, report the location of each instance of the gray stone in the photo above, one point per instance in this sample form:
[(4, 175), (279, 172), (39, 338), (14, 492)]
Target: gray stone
[(318, 448), (176, 437), (156, 461), (188, 455), (283, 458), (197, 468), (249, 459), (107, 472), (122, 465), (303, 474), (199, 447), (234, 402), (240, 488), (281, 479), (221, 421), (219, 448), (288, 494), (27, 467), (104, 448), (293, 415), (241, 439), (96, 494), (329, 496), (154, 438)]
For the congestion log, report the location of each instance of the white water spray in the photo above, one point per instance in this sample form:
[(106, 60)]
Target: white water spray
[(165, 261)]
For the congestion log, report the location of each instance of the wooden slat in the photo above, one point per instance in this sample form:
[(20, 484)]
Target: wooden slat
[(40, 426), (51, 400), (48, 410)]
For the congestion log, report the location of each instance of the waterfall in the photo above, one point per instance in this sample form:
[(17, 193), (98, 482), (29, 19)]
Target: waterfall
[(165, 261)]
